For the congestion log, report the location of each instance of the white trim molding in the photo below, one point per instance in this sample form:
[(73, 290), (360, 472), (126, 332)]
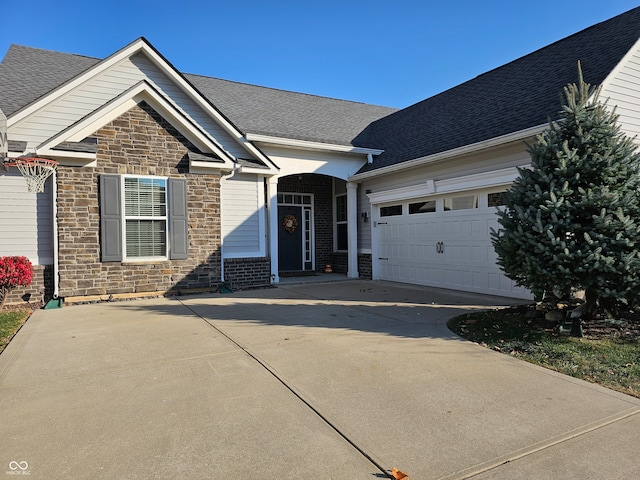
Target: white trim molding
[(142, 91), (308, 145), (438, 157), (141, 45), (494, 178)]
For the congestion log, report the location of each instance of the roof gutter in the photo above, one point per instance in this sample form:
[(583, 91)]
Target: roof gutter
[(441, 156)]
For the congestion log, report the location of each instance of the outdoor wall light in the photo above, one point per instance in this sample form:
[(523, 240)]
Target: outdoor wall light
[(365, 217)]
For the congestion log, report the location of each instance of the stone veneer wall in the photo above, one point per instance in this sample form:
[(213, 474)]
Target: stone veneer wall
[(139, 142), (247, 272), (364, 266), (340, 264)]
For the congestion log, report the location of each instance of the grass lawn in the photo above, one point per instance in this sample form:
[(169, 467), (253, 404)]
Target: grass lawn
[(10, 323), (609, 354)]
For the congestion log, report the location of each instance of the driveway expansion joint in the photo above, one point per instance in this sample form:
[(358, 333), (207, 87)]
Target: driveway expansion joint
[(293, 391), (539, 446)]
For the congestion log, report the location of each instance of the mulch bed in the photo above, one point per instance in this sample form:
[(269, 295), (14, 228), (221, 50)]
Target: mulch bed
[(626, 325)]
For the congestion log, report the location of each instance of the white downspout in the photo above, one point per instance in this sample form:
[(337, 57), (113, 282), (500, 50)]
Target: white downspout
[(56, 269), (224, 178)]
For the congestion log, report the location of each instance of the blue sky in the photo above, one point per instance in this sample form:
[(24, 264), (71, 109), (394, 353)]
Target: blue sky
[(392, 53)]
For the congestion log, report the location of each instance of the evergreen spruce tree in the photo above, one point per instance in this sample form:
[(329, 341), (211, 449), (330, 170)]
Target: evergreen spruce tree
[(572, 221)]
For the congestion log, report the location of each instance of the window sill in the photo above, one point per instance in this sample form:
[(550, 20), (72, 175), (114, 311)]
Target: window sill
[(145, 261)]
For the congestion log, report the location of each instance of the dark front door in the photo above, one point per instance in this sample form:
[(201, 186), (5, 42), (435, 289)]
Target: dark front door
[(291, 225)]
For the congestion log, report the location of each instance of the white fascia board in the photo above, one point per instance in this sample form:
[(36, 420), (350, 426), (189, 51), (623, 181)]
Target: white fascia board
[(71, 159), (142, 91), (494, 178), (438, 157), (308, 145), (198, 166), (259, 171)]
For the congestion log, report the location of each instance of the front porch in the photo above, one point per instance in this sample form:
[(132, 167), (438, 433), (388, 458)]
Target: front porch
[(313, 227)]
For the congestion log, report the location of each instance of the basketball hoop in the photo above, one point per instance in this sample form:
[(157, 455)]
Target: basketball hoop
[(34, 170)]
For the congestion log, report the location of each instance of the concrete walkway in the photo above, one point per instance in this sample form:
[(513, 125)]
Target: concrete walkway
[(313, 381)]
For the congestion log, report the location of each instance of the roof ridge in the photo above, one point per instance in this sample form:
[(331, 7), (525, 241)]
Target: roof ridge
[(549, 45), (58, 52), (253, 85), (512, 97)]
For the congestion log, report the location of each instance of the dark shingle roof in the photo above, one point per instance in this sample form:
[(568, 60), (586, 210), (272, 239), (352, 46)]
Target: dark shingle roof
[(280, 113), (28, 73), (514, 97), (522, 94)]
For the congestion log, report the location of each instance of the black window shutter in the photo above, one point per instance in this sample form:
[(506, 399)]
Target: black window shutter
[(178, 238), (110, 218)]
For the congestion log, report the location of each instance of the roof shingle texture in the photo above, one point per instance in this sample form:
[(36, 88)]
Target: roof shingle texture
[(280, 113), (521, 94), (27, 74)]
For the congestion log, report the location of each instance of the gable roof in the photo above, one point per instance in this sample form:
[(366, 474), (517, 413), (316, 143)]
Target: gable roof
[(27, 74), (516, 97), (286, 114), (520, 95)]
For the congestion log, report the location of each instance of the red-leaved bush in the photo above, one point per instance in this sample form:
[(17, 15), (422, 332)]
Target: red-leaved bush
[(14, 272)]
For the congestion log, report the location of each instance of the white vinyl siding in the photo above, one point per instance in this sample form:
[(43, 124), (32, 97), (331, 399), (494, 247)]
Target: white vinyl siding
[(623, 91), (73, 106), (148, 70), (243, 217), (364, 227), (26, 219)]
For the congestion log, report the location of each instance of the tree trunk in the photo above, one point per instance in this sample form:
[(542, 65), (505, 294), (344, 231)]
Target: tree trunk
[(591, 301)]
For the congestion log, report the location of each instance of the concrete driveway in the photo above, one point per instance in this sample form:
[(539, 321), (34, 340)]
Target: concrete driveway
[(319, 381)]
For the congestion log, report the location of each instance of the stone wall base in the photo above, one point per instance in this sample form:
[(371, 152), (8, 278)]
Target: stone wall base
[(340, 264), (40, 290), (251, 272)]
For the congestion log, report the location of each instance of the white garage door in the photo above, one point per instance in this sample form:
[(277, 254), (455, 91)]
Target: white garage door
[(447, 249)]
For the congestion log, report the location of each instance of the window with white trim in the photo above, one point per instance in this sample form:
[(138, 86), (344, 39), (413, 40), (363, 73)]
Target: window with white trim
[(391, 211), (145, 217), (428, 206), (461, 203), (495, 199), (341, 223)]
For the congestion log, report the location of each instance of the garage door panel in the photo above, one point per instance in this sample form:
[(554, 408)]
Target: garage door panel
[(408, 252)]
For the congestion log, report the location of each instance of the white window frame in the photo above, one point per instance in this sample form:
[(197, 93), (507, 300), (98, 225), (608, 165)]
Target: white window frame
[(339, 222), (125, 217)]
